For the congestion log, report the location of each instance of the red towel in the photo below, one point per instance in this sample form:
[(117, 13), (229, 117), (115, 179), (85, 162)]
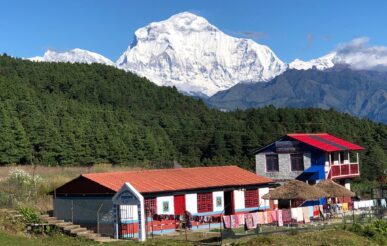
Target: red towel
[(316, 211), (286, 216), (249, 221), (227, 221), (234, 221), (273, 216)]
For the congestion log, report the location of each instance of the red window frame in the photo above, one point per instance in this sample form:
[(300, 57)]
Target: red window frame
[(205, 202), (150, 205), (251, 198)]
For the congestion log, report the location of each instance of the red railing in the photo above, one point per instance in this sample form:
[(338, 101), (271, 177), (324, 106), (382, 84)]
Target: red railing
[(343, 170)]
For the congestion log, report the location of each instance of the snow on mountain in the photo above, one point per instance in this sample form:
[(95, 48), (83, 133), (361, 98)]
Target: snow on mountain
[(188, 52), (72, 56), (321, 63)]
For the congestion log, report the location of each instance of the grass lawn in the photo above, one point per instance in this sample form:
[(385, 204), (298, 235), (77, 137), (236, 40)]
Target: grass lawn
[(64, 240), (327, 237)]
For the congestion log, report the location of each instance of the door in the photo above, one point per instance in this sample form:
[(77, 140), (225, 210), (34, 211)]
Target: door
[(179, 204), (228, 202), (127, 225)]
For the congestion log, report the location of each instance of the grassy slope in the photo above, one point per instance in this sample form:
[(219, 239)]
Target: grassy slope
[(331, 237), (328, 237)]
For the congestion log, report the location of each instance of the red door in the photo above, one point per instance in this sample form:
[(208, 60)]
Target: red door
[(179, 204)]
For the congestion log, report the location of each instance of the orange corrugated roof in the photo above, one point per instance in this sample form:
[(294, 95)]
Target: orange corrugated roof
[(162, 180)]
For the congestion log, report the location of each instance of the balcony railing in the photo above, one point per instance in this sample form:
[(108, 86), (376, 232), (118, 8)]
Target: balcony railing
[(344, 170)]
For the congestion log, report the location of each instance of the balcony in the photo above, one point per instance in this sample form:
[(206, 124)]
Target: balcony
[(339, 171)]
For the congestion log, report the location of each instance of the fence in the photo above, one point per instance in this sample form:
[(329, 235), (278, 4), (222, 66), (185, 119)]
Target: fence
[(327, 219)]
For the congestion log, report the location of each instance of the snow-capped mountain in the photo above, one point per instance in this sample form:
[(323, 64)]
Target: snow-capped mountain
[(321, 63), (188, 52), (73, 56)]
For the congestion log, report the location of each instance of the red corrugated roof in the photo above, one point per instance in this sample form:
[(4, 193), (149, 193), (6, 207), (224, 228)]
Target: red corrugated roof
[(162, 180), (325, 141)]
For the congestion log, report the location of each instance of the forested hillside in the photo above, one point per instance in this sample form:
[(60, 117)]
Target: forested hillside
[(357, 92), (62, 114)]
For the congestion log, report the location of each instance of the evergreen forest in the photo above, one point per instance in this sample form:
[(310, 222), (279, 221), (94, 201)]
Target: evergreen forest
[(80, 114)]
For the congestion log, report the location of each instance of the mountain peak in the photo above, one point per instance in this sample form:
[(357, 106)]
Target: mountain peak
[(188, 52), (76, 55), (321, 63)]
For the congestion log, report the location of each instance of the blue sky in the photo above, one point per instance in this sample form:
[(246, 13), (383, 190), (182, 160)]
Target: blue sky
[(293, 29)]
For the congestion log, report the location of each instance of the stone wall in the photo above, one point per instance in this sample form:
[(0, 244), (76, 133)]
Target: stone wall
[(284, 165)]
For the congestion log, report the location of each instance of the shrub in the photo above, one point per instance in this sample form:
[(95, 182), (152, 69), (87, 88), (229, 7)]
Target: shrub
[(30, 215), (22, 185)]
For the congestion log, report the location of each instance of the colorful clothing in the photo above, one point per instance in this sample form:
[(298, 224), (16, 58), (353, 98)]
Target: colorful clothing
[(310, 211), (316, 212), (305, 213), (261, 218), (345, 207), (255, 219), (286, 216), (279, 218), (297, 214), (273, 216), (234, 221), (241, 219), (267, 217), (227, 221), (249, 221)]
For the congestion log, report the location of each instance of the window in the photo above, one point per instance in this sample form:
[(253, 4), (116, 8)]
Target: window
[(150, 206), (272, 163), (251, 198), (297, 162), (165, 206), (342, 157), (218, 201), (204, 202)]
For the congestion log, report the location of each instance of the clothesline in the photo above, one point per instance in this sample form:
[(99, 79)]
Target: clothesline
[(277, 217)]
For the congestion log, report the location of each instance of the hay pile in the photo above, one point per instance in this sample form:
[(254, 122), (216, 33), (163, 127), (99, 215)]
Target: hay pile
[(333, 189), (295, 189)]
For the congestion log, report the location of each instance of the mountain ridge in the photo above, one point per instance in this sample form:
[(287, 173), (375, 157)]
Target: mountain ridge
[(360, 93)]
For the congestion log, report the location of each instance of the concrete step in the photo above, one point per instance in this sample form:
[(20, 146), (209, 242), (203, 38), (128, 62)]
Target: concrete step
[(85, 233), (55, 222), (47, 217), (64, 224), (92, 236), (77, 230), (71, 227), (105, 239)]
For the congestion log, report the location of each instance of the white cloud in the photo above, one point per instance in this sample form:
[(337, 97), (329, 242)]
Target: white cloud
[(359, 55)]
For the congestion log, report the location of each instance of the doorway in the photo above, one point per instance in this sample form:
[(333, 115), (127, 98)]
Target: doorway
[(228, 202)]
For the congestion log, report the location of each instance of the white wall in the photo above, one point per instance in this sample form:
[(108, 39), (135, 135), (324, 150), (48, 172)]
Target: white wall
[(160, 200), (239, 199), (346, 157), (347, 185), (191, 203), (216, 194), (262, 191), (335, 159)]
